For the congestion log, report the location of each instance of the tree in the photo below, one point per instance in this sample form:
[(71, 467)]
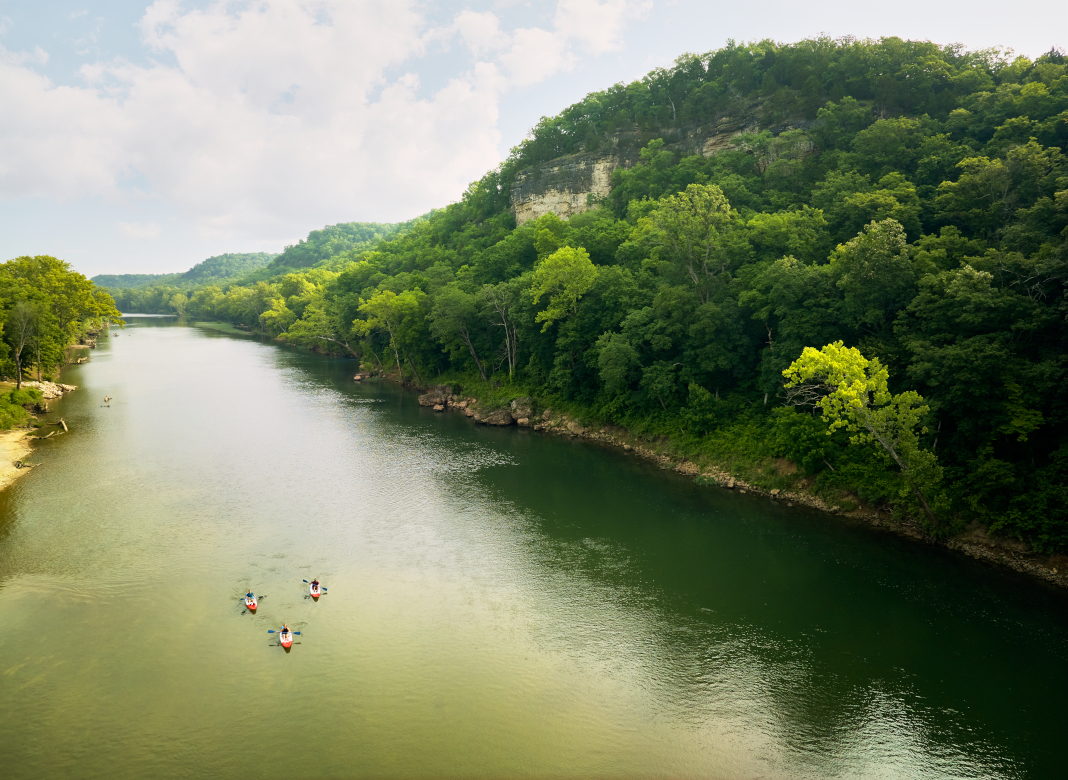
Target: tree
[(20, 328), (615, 358), (178, 302), (319, 323), (874, 274), (565, 276), (852, 393), (387, 311), (501, 301), (453, 315), (688, 228)]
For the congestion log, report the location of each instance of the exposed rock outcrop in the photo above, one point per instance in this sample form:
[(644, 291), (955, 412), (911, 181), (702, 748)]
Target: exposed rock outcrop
[(50, 390), (574, 183), (437, 396), (496, 417), (564, 186), (522, 407)]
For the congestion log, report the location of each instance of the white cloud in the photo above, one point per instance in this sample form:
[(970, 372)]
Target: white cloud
[(481, 32), (139, 232), (597, 26), (258, 119)]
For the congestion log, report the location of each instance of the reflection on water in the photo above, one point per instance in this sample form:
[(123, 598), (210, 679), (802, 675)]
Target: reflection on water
[(500, 603)]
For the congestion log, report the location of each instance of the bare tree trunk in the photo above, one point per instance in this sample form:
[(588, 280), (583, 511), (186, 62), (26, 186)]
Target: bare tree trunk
[(344, 344), (467, 340), (416, 370), (904, 468)]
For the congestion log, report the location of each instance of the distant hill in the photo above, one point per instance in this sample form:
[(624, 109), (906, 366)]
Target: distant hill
[(125, 281), (214, 270), (229, 266), (333, 243)]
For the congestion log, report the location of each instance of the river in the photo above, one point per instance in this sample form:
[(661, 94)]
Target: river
[(501, 603)]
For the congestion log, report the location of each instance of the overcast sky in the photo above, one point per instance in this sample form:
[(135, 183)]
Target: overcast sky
[(144, 137)]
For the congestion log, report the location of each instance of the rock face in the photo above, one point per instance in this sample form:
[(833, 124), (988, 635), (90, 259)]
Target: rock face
[(563, 186), (522, 407), (574, 183), (438, 396), (497, 417)]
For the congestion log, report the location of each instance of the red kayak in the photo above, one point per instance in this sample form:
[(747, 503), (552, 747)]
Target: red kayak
[(250, 603), (286, 639), (315, 592)]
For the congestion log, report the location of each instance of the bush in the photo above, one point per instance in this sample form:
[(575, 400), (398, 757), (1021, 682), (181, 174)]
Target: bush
[(13, 407)]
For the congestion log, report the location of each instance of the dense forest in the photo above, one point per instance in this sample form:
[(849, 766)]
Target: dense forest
[(221, 269), (44, 308), (870, 288)]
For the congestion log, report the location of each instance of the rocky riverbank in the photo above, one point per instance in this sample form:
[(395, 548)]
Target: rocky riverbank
[(974, 542), (50, 390)]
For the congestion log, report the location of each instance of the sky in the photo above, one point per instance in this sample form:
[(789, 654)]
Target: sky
[(141, 137)]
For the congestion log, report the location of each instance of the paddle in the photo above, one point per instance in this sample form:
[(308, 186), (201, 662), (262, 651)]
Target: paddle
[(272, 631)]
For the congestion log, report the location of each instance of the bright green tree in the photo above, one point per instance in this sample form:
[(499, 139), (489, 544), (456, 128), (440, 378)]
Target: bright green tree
[(564, 276), (852, 393), (388, 312)]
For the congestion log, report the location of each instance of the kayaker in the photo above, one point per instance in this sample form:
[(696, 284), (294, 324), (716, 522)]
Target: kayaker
[(249, 595), (315, 584), (285, 629)]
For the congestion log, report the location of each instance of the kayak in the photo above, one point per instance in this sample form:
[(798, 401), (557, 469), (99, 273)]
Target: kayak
[(250, 603), (315, 592), (286, 639)]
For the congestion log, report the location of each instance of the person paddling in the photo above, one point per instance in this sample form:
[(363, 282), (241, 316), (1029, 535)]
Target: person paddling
[(315, 584), (285, 630)]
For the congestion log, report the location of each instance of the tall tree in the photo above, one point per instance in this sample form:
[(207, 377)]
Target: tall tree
[(689, 228), (454, 314), (20, 328)]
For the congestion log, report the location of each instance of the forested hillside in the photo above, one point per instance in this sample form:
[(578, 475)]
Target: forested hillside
[(916, 213), (215, 270)]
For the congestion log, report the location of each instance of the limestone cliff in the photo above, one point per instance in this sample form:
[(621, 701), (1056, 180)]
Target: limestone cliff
[(572, 184)]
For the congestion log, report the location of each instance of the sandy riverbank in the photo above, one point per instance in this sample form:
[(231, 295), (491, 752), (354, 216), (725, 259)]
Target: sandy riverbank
[(13, 446)]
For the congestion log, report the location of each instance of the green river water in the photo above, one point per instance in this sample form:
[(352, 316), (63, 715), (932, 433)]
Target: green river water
[(501, 603)]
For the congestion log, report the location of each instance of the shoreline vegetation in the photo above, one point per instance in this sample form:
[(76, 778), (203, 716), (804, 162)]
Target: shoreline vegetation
[(776, 479), (16, 444), (835, 262), (49, 314)]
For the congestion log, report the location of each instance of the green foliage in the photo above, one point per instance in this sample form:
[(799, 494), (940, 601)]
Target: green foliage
[(215, 270), (44, 308), (13, 407), (564, 277), (853, 394), (917, 213)]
